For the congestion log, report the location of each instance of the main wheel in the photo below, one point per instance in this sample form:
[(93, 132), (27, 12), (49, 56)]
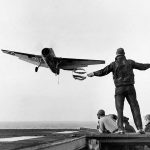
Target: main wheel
[(36, 69)]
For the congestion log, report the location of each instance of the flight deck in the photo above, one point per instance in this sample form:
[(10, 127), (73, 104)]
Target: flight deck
[(65, 139)]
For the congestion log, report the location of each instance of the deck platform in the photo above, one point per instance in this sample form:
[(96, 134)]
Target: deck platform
[(61, 139), (45, 139), (128, 138), (116, 141)]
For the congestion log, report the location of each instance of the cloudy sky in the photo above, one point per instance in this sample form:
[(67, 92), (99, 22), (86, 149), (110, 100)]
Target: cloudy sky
[(77, 29)]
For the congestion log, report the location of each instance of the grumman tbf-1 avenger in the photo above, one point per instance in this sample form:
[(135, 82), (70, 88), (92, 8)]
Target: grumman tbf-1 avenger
[(48, 59)]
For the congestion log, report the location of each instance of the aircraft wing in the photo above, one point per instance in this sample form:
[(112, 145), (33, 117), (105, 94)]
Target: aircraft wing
[(71, 63), (31, 58)]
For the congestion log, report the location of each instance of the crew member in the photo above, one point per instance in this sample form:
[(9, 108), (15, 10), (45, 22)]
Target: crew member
[(147, 123), (106, 123), (123, 76)]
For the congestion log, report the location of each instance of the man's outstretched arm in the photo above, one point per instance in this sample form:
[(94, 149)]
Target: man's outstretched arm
[(140, 66), (102, 72)]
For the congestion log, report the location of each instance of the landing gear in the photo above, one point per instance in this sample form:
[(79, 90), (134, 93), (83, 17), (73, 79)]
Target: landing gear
[(36, 69)]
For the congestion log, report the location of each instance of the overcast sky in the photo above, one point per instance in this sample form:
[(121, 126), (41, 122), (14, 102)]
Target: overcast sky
[(90, 29)]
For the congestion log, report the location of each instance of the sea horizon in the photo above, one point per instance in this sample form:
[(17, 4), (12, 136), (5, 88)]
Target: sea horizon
[(47, 124)]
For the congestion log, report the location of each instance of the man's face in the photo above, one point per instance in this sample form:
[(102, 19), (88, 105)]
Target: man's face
[(146, 121), (98, 116)]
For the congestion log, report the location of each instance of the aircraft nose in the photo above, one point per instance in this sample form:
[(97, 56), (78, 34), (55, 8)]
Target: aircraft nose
[(45, 52)]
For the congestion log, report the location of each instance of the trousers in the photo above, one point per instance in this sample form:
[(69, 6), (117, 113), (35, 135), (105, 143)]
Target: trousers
[(128, 92)]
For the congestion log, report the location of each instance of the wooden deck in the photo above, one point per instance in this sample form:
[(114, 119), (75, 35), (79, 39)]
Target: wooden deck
[(45, 139), (116, 141), (119, 142), (128, 138), (55, 140)]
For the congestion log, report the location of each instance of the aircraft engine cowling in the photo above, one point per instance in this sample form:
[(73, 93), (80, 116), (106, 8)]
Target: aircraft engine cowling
[(48, 52), (48, 56), (45, 52), (79, 74)]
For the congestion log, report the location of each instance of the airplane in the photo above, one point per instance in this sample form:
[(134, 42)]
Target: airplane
[(49, 60)]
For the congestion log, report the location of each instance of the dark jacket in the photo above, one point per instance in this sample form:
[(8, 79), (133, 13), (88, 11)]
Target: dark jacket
[(129, 129), (122, 70)]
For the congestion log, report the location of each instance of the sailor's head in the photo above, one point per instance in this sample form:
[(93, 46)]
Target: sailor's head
[(147, 118), (120, 52), (100, 113)]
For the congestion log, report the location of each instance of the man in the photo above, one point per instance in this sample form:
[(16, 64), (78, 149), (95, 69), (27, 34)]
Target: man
[(123, 76), (147, 123), (147, 128), (106, 124)]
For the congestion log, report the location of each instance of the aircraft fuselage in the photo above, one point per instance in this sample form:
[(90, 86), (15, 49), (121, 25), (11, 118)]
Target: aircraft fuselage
[(49, 57)]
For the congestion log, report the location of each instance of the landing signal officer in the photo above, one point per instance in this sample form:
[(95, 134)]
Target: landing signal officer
[(123, 76)]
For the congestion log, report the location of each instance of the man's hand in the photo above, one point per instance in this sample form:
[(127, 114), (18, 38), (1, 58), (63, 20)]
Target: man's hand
[(90, 74)]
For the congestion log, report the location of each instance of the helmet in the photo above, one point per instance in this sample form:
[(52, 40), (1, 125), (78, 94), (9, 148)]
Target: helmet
[(101, 112), (120, 51)]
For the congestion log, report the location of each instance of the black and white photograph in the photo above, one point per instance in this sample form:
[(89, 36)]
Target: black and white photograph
[(74, 75)]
